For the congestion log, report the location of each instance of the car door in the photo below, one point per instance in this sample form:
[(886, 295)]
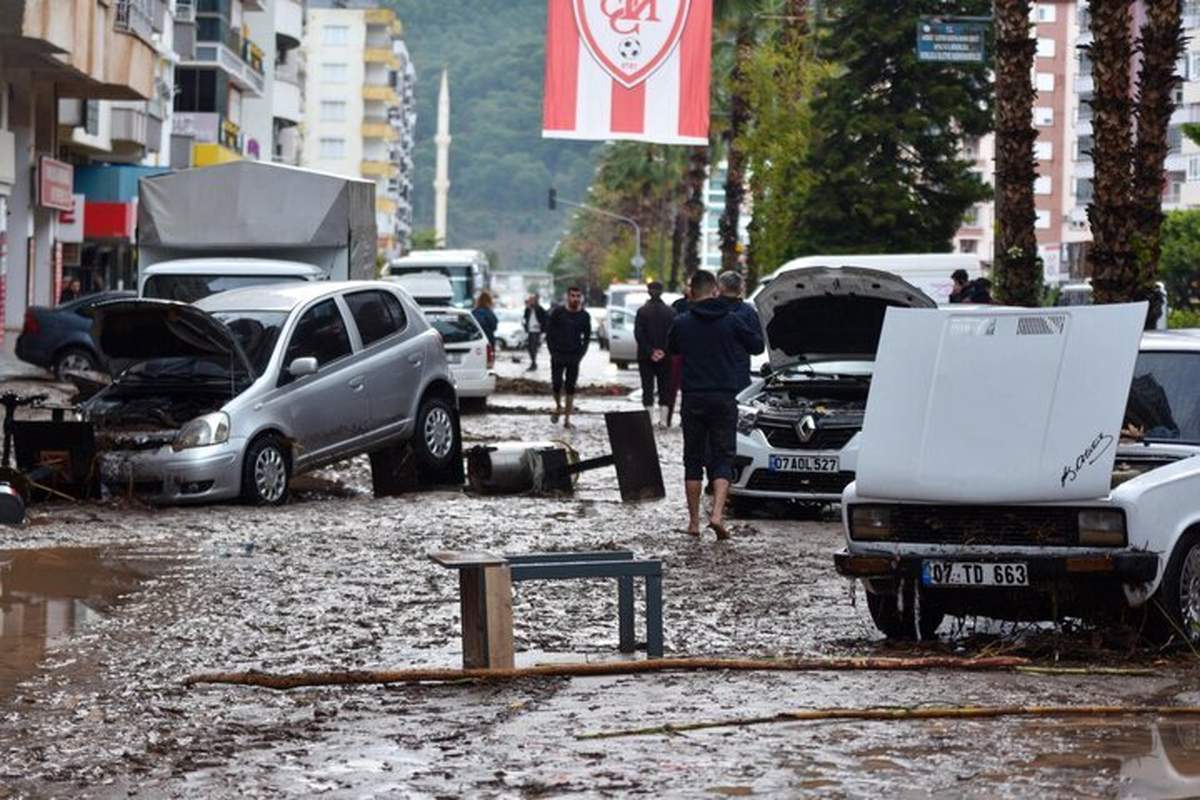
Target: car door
[(393, 362), (329, 409), (621, 344)]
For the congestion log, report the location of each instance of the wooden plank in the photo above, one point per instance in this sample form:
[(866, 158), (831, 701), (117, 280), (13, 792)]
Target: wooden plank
[(460, 559), (474, 623), (498, 610), (639, 475)]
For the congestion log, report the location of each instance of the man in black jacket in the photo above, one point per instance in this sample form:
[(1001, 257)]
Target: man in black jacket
[(536, 318), (732, 287), (713, 342), (568, 333), (650, 328)]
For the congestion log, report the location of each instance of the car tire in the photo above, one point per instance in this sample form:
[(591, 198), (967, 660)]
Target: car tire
[(73, 358), (622, 365), (266, 472), (1174, 610), (900, 625), (437, 442)]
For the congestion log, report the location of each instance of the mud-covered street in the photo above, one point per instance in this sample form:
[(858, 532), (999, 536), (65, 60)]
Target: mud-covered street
[(122, 602)]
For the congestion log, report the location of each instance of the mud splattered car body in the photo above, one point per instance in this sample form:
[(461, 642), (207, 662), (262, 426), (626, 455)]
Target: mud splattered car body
[(231, 396), (997, 473)]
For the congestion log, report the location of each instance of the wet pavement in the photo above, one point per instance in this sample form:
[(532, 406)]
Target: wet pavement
[(114, 604)]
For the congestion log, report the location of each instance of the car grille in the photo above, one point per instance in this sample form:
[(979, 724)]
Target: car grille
[(783, 435), (763, 480), (986, 525)]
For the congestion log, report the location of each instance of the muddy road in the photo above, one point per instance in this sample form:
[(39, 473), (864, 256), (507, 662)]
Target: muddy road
[(107, 607)]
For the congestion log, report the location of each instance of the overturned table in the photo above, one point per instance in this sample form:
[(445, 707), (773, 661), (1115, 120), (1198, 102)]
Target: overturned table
[(485, 594)]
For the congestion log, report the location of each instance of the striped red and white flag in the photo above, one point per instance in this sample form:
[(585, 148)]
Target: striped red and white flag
[(628, 69)]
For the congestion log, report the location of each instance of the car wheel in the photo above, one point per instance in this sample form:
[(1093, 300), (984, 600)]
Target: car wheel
[(73, 359), (622, 365), (901, 625), (436, 441), (266, 472), (1175, 608)]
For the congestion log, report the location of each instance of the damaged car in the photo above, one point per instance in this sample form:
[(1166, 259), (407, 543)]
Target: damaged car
[(1029, 465), (232, 396), (797, 424)]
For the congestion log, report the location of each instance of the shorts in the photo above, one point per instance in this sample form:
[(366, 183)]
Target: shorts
[(709, 435), (564, 373)]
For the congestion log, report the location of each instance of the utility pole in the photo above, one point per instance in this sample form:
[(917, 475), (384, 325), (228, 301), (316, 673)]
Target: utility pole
[(637, 261), (441, 181)]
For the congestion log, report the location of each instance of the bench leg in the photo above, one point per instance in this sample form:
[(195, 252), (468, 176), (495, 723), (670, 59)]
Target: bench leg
[(625, 613), (474, 617), (498, 592), (654, 623)]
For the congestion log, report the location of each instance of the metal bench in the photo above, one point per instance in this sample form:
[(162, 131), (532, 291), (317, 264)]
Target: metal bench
[(485, 596)]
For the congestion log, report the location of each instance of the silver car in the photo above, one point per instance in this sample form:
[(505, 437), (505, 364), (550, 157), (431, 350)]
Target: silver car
[(233, 395)]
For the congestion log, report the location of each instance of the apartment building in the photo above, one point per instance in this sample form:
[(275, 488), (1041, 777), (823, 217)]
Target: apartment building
[(80, 52), (272, 121), (359, 113), (714, 209)]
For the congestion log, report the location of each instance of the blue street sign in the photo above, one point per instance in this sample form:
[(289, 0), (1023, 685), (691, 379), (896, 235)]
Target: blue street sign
[(951, 40)]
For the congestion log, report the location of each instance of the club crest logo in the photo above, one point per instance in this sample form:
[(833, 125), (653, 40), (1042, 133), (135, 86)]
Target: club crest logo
[(631, 38)]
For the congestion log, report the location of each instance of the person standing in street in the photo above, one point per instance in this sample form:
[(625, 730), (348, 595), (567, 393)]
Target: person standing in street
[(962, 286), (680, 306), (535, 322), (568, 333), (485, 316), (713, 342), (650, 328), (732, 288)]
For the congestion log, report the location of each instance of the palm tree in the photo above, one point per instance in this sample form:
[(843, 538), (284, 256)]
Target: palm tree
[(1017, 270), (1161, 44), (737, 21)]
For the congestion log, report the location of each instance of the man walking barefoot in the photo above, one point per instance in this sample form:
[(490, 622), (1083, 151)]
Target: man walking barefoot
[(568, 333), (715, 343)]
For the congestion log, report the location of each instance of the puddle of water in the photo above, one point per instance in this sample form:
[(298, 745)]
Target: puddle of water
[(47, 594)]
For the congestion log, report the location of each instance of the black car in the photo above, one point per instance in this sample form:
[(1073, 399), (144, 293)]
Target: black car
[(60, 338)]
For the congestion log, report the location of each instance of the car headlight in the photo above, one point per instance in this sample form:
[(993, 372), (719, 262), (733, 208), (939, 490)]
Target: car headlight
[(747, 419), (203, 431), (1102, 527), (870, 523)]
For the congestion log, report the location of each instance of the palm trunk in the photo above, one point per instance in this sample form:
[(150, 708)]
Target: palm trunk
[(1161, 46), (735, 174), (1018, 272), (678, 231), (1114, 271), (694, 209)]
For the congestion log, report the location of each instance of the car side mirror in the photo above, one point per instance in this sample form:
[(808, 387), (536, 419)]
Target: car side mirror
[(765, 370), (302, 366)]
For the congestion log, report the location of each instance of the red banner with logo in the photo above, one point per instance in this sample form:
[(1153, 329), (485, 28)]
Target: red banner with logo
[(628, 69)]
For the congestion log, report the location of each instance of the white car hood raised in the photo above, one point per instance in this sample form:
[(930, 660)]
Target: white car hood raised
[(998, 405), (830, 313)]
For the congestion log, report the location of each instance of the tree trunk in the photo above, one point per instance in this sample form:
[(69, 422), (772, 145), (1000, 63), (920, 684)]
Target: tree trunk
[(1114, 271), (678, 231), (1017, 269), (735, 174), (1161, 47), (694, 209)]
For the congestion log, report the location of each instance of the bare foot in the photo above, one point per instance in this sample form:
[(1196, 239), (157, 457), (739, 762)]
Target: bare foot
[(554, 416), (720, 529)]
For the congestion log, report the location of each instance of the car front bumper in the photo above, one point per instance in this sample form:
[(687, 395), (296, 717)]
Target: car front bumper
[(1124, 566), (197, 475), (753, 477)]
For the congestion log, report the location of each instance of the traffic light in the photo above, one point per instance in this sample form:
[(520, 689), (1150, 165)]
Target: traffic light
[(552, 200)]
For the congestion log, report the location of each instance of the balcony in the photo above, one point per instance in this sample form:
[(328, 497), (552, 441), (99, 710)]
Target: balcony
[(219, 45), (207, 127), (385, 205), (378, 130), (136, 17), (384, 17), (379, 169), (385, 94), (381, 55), (136, 126), (1084, 84), (287, 102), (289, 20)]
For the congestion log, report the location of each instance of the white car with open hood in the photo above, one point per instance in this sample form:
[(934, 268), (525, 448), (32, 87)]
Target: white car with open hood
[(797, 425), (1007, 470)]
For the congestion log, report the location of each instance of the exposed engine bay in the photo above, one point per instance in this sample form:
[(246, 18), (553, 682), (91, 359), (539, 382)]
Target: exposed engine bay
[(810, 411), (147, 420)]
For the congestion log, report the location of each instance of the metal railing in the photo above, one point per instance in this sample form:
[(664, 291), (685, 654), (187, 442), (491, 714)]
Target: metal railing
[(136, 17)]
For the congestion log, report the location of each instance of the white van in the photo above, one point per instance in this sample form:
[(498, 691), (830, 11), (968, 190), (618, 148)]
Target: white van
[(929, 272), (427, 288), (187, 280)]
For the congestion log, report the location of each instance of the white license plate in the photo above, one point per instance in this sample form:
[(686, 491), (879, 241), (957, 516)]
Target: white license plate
[(776, 463), (969, 573), (454, 358)]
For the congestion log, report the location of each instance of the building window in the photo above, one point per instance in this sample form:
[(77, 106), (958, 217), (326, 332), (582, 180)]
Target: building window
[(1043, 116), (1083, 148), (333, 110), (1043, 220), (968, 245), (1043, 184), (1043, 12), (1044, 82), (1193, 173), (195, 90), (335, 35), (970, 148), (335, 73), (1043, 151), (1174, 139), (971, 217), (1045, 47), (1083, 190), (333, 148), (1194, 58)]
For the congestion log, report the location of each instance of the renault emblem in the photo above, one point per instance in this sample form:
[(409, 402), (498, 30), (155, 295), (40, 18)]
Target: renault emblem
[(806, 428)]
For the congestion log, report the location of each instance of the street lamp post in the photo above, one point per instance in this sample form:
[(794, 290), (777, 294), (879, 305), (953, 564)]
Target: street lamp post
[(638, 262)]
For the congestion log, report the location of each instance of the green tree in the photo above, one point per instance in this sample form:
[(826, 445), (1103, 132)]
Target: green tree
[(1179, 267), (888, 176), (424, 239)]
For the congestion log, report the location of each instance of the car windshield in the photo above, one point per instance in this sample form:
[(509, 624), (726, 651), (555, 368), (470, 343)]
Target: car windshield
[(1164, 400), (455, 328), (190, 288), (256, 332)]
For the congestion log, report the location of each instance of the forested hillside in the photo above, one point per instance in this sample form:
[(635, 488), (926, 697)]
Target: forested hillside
[(500, 166)]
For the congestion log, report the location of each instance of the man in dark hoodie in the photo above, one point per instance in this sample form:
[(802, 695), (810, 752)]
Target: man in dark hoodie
[(732, 287), (713, 342), (568, 333), (650, 328)]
